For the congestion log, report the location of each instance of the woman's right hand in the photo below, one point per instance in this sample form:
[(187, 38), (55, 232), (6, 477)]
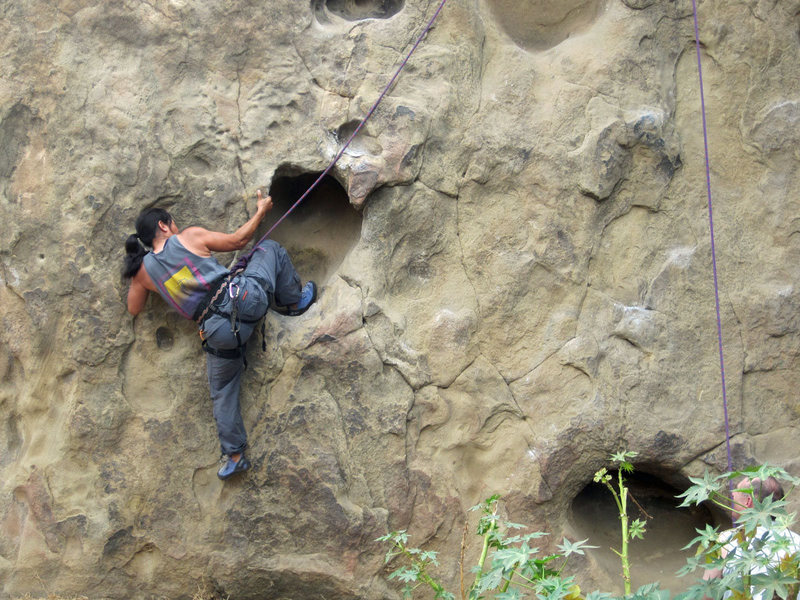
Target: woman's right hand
[(263, 204)]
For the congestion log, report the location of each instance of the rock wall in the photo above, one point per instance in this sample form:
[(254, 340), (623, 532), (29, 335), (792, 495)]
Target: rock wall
[(526, 285)]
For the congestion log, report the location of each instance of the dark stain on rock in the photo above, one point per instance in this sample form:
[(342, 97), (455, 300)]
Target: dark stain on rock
[(667, 444), (404, 111), (409, 157), (121, 541), (355, 422), (296, 416), (14, 128), (160, 432)]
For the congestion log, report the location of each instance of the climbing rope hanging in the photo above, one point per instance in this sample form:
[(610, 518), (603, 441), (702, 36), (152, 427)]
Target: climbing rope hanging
[(711, 232), (357, 129)]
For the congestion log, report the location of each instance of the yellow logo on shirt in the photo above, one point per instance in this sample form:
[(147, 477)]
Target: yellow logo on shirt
[(180, 284)]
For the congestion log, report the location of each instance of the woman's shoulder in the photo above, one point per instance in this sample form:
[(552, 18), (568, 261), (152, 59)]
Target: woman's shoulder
[(142, 277), (193, 239)]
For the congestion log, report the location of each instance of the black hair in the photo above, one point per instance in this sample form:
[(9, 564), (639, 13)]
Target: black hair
[(146, 226)]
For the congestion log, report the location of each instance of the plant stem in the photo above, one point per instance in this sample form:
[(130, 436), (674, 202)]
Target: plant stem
[(623, 517), (508, 581), (564, 564), (461, 558), (482, 560), (484, 552)]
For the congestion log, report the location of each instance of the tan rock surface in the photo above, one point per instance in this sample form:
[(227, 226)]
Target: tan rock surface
[(525, 288)]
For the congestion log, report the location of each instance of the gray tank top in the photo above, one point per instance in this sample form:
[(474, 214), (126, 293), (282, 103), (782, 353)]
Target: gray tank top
[(182, 278)]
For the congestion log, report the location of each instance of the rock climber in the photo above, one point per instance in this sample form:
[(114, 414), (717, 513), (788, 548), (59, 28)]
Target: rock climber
[(742, 499), (226, 306)]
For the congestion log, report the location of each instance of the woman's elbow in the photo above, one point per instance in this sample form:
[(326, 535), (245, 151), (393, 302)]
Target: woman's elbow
[(136, 299), (241, 242)]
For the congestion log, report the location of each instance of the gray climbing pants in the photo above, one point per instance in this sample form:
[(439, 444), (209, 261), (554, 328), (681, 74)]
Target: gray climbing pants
[(269, 273)]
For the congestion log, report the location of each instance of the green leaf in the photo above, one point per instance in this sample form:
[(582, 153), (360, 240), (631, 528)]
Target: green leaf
[(486, 523), (624, 456), (764, 471), (708, 537), (651, 591), (637, 529), (394, 536), (598, 595), (510, 558), (696, 592), (772, 583), (690, 567), (406, 574), (490, 580), (487, 505), (784, 521), (554, 588), (761, 514), (429, 556), (567, 548), (701, 491)]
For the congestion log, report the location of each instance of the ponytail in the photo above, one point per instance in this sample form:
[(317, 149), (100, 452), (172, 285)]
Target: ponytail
[(134, 255), (146, 226)]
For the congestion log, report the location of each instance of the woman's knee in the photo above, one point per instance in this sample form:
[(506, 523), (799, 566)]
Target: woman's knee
[(269, 246)]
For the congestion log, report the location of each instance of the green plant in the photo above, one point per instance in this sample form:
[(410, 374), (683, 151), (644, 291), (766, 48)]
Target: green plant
[(630, 529), (508, 565), (760, 557), (757, 560)]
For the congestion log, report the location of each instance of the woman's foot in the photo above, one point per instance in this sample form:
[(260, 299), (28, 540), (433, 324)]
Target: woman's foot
[(307, 297), (233, 465)]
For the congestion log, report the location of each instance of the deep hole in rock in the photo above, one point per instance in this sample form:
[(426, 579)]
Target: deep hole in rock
[(164, 338), (323, 228), (658, 556), (357, 10)]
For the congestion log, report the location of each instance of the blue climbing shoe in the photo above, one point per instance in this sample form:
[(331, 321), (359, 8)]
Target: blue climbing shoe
[(231, 468), (307, 297)]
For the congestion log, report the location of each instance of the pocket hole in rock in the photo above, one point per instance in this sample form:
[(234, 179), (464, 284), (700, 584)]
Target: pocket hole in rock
[(541, 24), (358, 10), (658, 556), (321, 231), (164, 338)]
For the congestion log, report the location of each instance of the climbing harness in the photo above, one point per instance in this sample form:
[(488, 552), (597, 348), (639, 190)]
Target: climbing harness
[(711, 232), (208, 307)]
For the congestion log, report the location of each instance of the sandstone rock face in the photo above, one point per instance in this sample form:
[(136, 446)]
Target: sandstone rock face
[(514, 256)]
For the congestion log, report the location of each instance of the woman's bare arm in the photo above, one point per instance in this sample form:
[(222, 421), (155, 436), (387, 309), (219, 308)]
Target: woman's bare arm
[(203, 241), (141, 284)]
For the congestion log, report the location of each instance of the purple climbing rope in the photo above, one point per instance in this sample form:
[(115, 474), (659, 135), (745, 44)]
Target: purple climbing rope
[(713, 251), (357, 129)]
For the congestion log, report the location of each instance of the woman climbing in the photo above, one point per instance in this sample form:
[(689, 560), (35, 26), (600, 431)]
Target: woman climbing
[(226, 306)]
